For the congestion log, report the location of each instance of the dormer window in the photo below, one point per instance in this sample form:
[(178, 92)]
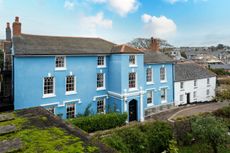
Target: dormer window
[(132, 60), (101, 62), (60, 62)]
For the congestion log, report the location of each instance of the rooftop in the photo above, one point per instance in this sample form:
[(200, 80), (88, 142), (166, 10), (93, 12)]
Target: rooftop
[(191, 71)]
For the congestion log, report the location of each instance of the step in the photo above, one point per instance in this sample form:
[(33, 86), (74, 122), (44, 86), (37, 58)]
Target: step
[(6, 117), (7, 129), (10, 145)]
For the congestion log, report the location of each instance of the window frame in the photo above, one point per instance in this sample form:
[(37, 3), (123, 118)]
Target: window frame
[(103, 87), (64, 64), (74, 113), (135, 61), (165, 99), (149, 82), (195, 83), (152, 98), (208, 81), (132, 88), (165, 76), (104, 102), (45, 95), (181, 98), (181, 85), (208, 92), (194, 94), (74, 83), (104, 62)]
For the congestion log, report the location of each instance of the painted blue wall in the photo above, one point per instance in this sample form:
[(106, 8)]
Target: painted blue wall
[(30, 71), (157, 85)]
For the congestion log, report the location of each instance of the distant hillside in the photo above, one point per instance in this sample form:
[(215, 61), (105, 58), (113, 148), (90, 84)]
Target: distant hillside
[(145, 43)]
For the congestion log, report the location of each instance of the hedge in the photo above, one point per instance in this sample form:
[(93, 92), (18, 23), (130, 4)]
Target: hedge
[(153, 137), (99, 122)]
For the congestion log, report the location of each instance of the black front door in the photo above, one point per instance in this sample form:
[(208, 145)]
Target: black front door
[(132, 110), (188, 98)]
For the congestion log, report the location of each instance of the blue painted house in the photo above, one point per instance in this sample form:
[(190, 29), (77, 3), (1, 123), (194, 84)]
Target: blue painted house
[(67, 74)]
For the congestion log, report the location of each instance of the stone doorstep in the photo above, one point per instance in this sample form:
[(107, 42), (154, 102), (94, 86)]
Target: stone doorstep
[(6, 117), (7, 129), (10, 145)]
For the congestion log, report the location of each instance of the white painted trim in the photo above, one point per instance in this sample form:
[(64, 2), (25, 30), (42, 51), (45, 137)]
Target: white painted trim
[(50, 104), (102, 66), (135, 64), (151, 104), (136, 83), (104, 85), (114, 94), (152, 81), (96, 97), (165, 70), (71, 92), (54, 91), (60, 68), (166, 96)]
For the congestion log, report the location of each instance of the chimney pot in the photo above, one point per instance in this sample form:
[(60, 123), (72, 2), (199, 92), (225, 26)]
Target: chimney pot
[(154, 44), (16, 27), (8, 32), (16, 19)]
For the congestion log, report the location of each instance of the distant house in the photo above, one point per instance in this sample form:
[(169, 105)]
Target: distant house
[(67, 74), (193, 83)]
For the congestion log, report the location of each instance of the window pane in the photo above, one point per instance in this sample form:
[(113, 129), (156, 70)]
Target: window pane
[(100, 106), (100, 60), (48, 85), (149, 74), (132, 80), (132, 60), (149, 97), (162, 73), (70, 83), (60, 61), (100, 80), (70, 111)]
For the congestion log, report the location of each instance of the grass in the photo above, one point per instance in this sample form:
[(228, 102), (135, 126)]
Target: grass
[(45, 140)]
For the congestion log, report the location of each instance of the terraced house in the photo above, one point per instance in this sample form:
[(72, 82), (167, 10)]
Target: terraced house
[(67, 74)]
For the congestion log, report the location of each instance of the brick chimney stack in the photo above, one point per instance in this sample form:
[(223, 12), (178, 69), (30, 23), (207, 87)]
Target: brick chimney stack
[(16, 27), (154, 45), (8, 32)]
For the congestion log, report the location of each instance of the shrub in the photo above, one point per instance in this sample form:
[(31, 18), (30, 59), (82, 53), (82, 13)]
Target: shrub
[(99, 121), (224, 94), (210, 130), (158, 135), (223, 112), (153, 137)]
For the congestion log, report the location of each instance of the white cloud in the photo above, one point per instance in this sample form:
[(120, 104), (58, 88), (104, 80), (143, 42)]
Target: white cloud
[(175, 1), (161, 27), (121, 7), (92, 23), (69, 5)]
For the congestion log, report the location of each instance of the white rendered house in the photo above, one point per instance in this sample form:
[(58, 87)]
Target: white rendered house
[(193, 83)]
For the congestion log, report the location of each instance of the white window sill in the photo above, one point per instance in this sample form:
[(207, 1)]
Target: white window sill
[(60, 68), (164, 102), (70, 93), (48, 96), (100, 89), (101, 66), (150, 105), (132, 65), (150, 83), (164, 81), (133, 89)]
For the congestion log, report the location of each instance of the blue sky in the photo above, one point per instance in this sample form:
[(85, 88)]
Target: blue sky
[(180, 22)]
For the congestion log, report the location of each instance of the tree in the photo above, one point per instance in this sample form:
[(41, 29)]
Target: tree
[(220, 46), (210, 130)]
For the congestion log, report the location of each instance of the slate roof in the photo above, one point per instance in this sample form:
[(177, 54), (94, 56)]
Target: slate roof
[(191, 71), (53, 45), (122, 49), (152, 57)]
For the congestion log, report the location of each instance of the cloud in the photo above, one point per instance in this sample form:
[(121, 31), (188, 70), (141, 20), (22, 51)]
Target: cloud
[(92, 23), (121, 7), (175, 1), (69, 5), (161, 27)]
